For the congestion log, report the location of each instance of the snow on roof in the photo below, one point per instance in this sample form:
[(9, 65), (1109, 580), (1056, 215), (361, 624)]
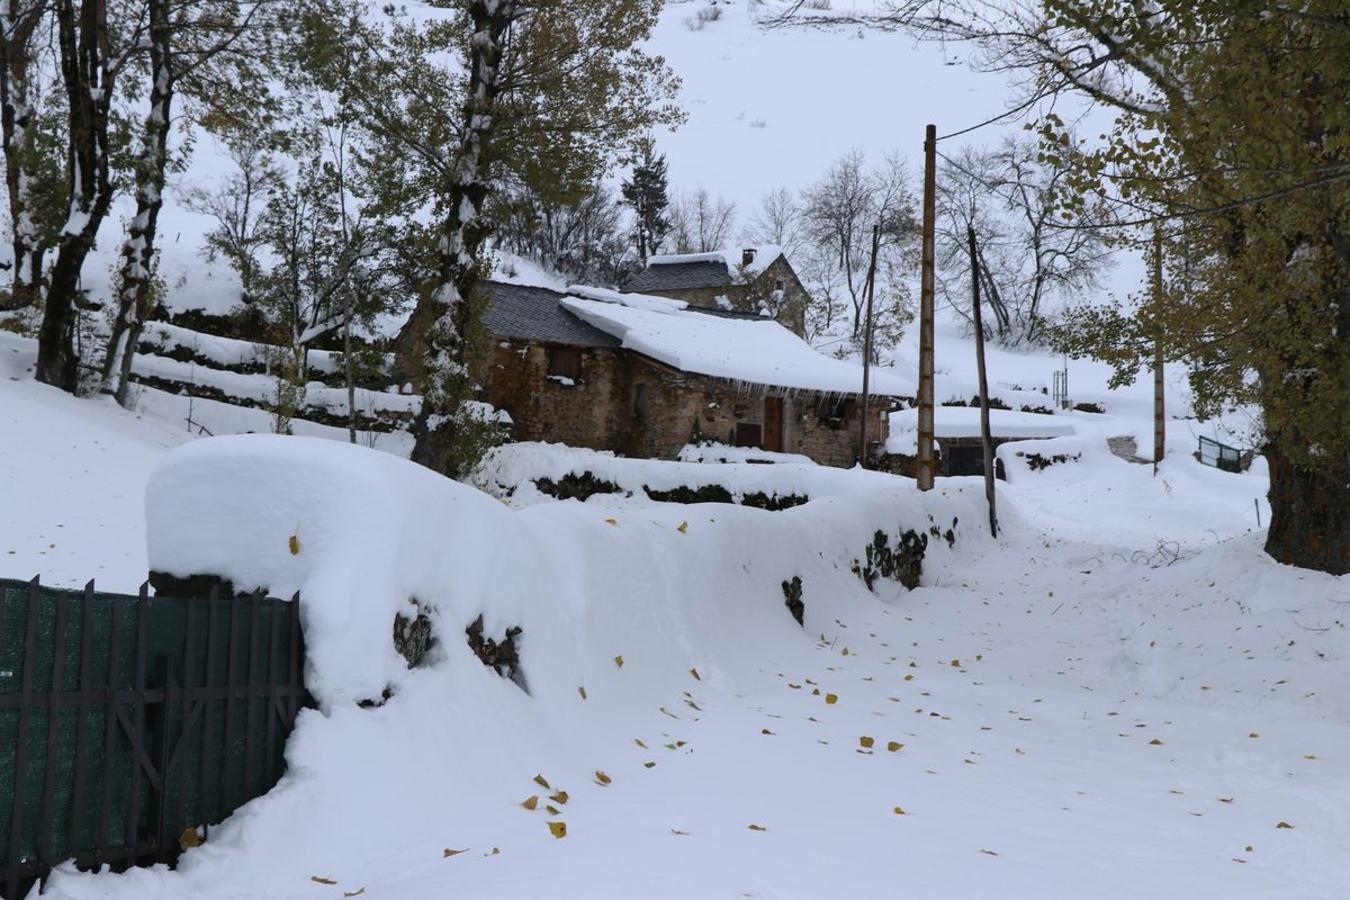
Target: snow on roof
[(731, 257), (964, 422), (743, 350)]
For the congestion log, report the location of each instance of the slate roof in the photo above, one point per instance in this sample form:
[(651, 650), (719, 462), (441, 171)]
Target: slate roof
[(534, 314), (679, 277)]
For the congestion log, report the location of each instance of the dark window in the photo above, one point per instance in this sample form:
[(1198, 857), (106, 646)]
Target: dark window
[(834, 410), (778, 285), (564, 362), (748, 435), (639, 401)]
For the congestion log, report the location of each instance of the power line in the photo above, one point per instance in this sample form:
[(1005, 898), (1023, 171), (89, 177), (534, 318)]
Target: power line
[(1338, 173), (1020, 108)]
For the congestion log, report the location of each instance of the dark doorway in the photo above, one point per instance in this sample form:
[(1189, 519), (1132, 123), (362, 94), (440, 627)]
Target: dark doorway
[(773, 424)]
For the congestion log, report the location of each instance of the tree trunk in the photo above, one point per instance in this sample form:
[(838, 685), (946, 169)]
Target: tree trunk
[(17, 130), (1309, 515), (443, 312), (89, 90), (134, 285)]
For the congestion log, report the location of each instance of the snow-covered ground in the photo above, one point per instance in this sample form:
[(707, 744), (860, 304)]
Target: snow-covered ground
[(1121, 697)]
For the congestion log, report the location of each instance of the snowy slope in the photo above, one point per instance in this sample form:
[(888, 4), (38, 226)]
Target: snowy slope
[(1042, 717)]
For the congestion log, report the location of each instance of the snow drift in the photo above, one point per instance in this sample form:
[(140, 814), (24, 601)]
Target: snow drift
[(624, 615)]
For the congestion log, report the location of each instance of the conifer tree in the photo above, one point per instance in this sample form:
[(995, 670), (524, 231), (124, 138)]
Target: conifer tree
[(646, 193)]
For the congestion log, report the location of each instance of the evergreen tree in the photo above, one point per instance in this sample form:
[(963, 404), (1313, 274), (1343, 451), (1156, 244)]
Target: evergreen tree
[(646, 193)]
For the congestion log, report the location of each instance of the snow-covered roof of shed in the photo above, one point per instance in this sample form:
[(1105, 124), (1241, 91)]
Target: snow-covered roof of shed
[(742, 350), (694, 271)]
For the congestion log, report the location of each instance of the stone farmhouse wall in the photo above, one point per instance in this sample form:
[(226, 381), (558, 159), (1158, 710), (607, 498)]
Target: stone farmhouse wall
[(637, 407)]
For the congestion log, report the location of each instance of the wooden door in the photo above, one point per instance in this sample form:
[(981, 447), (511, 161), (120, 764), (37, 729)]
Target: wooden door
[(773, 424)]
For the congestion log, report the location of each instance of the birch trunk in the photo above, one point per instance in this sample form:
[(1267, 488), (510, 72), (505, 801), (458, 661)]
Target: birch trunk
[(134, 283), (442, 317)]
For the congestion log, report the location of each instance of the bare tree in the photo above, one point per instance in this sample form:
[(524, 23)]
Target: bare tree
[(839, 212), (217, 52), (1010, 196), (778, 221), (700, 223)]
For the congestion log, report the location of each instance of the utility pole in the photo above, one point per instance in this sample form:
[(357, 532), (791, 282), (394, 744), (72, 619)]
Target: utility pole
[(867, 341), (986, 441), (1159, 411), (925, 455)]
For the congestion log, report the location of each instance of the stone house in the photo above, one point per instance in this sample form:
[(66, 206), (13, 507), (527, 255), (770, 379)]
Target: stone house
[(644, 376), (757, 280)]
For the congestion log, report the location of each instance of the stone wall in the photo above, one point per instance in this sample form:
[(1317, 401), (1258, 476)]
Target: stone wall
[(636, 407), (582, 414), (746, 297)]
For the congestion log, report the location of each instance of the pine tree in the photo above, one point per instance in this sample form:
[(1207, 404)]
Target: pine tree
[(646, 193)]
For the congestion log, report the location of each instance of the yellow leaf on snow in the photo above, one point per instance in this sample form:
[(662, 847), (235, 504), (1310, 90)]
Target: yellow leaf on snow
[(831, 699), (684, 528), (189, 839), (618, 661), (694, 672), (1284, 825), (294, 543), (899, 811), (531, 803), (611, 521), (638, 741), (552, 810), (581, 689), (758, 828), (560, 797), (866, 741), (541, 781), (602, 778), (893, 745), (558, 829), (318, 879), (449, 853)]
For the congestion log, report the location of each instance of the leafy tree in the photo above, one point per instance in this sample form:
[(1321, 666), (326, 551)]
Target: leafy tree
[(546, 93), (646, 193), (1230, 135)]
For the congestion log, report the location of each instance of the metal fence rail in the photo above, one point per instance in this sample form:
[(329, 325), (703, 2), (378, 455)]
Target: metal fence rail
[(130, 723)]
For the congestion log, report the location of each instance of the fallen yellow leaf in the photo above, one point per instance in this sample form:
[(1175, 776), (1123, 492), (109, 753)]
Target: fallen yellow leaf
[(603, 778), (866, 741), (531, 802), (189, 839), (560, 797), (558, 829), (541, 781), (684, 528), (831, 699), (694, 672), (294, 543), (449, 853), (899, 811), (893, 745), (611, 521), (618, 661)]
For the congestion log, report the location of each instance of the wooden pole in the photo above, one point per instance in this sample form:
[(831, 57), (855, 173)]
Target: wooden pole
[(925, 454), (867, 342), (1159, 410), (986, 440)]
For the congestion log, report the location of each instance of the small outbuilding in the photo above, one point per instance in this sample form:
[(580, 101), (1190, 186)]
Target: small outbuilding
[(645, 376), (956, 431)]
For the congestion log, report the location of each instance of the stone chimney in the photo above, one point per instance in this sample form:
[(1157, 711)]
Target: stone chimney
[(747, 256)]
